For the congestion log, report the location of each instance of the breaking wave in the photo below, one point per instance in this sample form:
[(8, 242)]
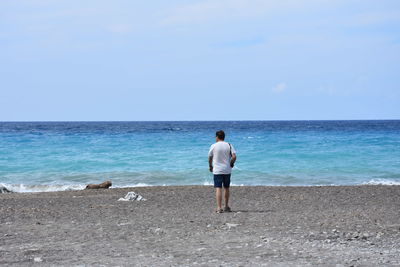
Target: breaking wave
[(382, 182), (23, 188)]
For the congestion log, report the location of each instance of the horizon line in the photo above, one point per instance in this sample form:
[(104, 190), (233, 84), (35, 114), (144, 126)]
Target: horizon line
[(255, 120)]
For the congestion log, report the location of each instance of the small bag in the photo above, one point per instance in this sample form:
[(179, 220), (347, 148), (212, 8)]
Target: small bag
[(230, 153)]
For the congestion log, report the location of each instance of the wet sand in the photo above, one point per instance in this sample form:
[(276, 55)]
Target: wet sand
[(279, 226)]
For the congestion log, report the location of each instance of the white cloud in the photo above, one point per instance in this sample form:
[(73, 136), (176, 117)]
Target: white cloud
[(279, 88)]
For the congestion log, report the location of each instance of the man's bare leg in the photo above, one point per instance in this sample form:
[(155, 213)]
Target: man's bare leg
[(226, 197), (218, 196)]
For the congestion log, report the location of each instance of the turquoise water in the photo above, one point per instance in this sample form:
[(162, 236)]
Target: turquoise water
[(46, 156)]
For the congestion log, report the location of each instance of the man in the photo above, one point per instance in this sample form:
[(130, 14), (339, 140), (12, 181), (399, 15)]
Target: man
[(221, 158)]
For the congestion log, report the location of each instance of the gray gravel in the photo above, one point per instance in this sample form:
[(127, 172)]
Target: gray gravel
[(278, 226)]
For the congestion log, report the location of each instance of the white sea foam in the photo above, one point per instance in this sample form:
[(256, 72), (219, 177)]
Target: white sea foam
[(382, 182), (136, 185), (24, 188), (207, 183), (237, 184)]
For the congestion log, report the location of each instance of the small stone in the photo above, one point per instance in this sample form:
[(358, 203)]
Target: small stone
[(37, 259)]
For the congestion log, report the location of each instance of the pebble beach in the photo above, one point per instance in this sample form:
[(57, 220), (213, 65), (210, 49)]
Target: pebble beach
[(177, 226)]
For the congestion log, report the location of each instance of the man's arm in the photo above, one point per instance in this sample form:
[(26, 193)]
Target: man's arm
[(233, 159), (210, 166)]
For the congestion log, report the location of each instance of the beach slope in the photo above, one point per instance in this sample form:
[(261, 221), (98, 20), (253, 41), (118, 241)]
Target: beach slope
[(280, 226)]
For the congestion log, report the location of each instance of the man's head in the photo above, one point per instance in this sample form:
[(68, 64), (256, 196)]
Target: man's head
[(220, 135)]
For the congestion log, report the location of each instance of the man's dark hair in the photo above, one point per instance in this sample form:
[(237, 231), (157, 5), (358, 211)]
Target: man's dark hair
[(220, 134)]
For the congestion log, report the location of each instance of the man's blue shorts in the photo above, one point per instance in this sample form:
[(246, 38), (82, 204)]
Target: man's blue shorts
[(222, 179)]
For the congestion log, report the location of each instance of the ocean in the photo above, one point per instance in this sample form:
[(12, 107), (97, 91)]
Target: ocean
[(53, 156)]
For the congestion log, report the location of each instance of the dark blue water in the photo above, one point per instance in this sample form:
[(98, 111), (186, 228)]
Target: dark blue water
[(43, 156)]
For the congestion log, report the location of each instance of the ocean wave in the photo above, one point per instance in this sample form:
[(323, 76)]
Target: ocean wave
[(27, 188), (382, 182), (24, 188)]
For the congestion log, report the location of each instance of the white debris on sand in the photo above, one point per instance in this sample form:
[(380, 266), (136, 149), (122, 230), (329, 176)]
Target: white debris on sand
[(37, 259), (132, 196), (230, 225)]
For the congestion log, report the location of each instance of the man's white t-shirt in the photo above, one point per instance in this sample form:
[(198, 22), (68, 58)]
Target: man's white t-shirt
[(221, 153)]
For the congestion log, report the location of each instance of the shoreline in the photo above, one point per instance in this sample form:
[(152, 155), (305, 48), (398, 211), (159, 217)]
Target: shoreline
[(6, 187), (177, 225)]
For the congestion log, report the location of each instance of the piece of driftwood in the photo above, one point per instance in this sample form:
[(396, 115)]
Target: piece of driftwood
[(105, 184)]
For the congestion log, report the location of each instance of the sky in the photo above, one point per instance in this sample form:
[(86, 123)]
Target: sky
[(98, 60)]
